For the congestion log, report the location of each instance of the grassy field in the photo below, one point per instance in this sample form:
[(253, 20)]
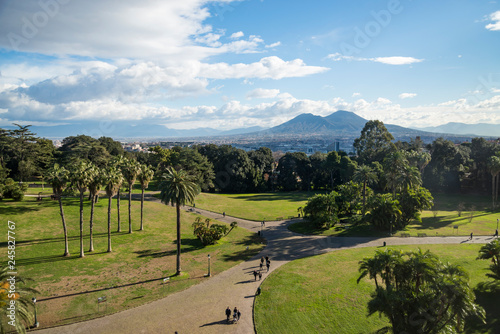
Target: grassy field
[(443, 220), (319, 294), (129, 276), (257, 207)]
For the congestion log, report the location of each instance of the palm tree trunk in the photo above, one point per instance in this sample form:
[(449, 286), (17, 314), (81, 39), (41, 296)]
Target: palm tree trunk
[(142, 208), (364, 197), (81, 224), (130, 209), (109, 224), (91, 248), (178, 210), (493, 184), (61, 211), (118, 209)]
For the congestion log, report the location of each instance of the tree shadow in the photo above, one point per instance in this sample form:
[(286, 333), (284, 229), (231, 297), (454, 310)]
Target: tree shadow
[(53, 258), (188, 245), (487, 295)]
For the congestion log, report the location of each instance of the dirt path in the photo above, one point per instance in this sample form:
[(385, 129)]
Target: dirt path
[(200, 309)]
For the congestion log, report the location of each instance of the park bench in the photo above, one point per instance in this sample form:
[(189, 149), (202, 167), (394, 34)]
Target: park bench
[(405, 235), (421, 234)]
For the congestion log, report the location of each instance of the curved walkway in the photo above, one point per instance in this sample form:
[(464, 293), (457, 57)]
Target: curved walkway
[(200, 308)]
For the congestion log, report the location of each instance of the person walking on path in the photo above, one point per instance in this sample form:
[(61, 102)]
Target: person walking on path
[(496, 234), (239, 315), (235, 315), (261, 265), (255, 274), (267, 259), (224, 214), (228, 313), (268, 264), (260, 275), (471, 234)]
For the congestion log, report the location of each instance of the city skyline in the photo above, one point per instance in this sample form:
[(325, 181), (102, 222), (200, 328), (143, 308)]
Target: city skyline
[(234, 64)]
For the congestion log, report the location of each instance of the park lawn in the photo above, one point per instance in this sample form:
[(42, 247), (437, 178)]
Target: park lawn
[(320, 295), (442, 220), (129, 276), (256, 207)]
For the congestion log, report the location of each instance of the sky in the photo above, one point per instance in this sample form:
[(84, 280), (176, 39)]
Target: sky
[(230, 64)]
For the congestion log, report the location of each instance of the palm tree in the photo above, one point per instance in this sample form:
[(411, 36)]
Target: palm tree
[(24, 312), (144, 177), (130, 171), (113, 179), (58, 179), (494, 167), (366, 175), (394, 164), (177, 188), (95, 183), (409, 178), (119, 163), (491, 251), (81, 177)]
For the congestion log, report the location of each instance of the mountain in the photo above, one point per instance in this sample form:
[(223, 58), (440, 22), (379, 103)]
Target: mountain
[(345, 120), (303, 124), (479, 129)]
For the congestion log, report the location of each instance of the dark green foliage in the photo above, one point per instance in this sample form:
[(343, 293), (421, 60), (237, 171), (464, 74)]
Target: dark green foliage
[(384, 212), (209, 234), (491, 251), (85, 148), (412, 202), (321, 210), (373, 143), (11, 189), (294, 172), (418, 293)]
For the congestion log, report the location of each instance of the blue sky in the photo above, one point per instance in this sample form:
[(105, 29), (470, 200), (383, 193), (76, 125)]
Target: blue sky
[(230, 64)]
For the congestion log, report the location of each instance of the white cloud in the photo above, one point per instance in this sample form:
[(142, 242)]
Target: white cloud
[(237, 35), (396, 60), (273, 45), (261, 93), (384, 60), (407, 95), (495, 17), (267, 68), (356, 94)]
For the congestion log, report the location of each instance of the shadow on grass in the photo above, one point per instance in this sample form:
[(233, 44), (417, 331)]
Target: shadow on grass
[(61, 239), (188, 245), (19, 209), (286, 196), (487, 295), (53, 258)]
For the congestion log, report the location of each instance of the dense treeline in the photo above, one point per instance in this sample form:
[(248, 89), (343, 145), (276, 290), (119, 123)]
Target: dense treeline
[(443, 165)]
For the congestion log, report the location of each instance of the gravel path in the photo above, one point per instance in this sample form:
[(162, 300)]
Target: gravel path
[(200, 309)]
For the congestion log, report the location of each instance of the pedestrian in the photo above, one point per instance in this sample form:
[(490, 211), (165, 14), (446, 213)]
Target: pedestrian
[(496, 234), (235, 315), (470, 238), (255, 274), (228, 313), (224, 214), (260, 275), (268, 264), (261, 265), (239, 315), (267, 258), (258, 291)]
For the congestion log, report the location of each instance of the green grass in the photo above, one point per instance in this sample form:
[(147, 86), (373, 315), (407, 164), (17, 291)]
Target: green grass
[(129, 276), (446, 223), (257, 207), (319, 294)]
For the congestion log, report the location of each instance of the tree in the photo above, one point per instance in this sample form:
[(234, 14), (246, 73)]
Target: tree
[(80, 177), (131, 169), (384, 211), (144, 177), (58, 178), (373, 143), (412, 202), (209, 234), (118, 163), (95, 183), (491, 251), (23, 316), (418, 293), (113, 179), (331, 165), (365, 175), (178, 189), (494, 167), (321, 210), (394, 164)]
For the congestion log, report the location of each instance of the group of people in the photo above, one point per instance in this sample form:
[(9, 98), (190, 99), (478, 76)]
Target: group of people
[(259, 273), (236, 315)]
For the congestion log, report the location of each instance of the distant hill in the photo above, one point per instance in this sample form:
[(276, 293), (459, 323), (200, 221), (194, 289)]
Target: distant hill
[(479, 129), (339, 124)]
